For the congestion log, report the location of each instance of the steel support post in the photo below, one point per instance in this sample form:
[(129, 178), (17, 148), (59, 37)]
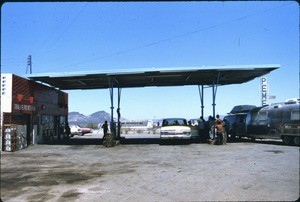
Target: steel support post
[(201, 93), (111, 90), (119, 113), (214, 93)]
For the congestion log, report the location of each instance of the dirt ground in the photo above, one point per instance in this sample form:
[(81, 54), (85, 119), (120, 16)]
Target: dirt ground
[(84, 170)]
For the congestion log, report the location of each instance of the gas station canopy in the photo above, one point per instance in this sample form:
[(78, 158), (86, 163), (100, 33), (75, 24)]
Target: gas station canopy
[(217, 75), (201, 76)]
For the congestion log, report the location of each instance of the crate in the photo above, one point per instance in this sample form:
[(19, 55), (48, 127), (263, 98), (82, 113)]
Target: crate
[(10, 138)]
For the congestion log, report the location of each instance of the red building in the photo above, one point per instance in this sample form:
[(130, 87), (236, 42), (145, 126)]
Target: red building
[(31, 113)]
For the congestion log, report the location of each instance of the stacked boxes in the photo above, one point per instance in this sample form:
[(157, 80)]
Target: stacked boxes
[(10, 138), (14, 138)]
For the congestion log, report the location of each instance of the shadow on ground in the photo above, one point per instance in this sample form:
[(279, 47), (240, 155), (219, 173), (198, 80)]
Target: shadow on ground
[(99, 141)]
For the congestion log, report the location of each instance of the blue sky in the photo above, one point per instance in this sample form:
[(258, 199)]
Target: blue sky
[(63, 37)]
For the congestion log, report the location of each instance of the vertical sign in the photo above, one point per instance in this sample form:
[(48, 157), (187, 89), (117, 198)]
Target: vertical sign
[(264, 89)]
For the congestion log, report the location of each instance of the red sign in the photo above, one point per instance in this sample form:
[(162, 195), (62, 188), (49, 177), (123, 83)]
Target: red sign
[(24, 107), (20, 97), (31, 100)]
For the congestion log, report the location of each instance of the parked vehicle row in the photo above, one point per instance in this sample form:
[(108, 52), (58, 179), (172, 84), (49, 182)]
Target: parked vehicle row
[(277, 121)]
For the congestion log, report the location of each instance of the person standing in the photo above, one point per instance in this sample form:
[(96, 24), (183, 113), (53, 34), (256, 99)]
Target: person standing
[(211, 127), (218, 118), (68, 131), (225, 130), (219, 128), (105, 129), (203, 130)]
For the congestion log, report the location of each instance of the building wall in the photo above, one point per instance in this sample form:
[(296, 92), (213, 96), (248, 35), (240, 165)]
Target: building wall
[(32, 112), (23, 96), (6, 92)]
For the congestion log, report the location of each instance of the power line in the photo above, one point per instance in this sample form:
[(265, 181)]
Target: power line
[(54, 30), (180, 36), (68, 27), (65, 30), (7, 63)]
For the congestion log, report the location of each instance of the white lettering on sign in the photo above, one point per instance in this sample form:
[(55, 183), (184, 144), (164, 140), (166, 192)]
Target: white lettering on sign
[(24, 107), (264, 91)]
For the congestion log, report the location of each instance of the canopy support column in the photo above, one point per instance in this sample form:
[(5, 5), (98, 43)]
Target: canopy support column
[(111, 90), (119, 113), (214, 93), (201, 93)]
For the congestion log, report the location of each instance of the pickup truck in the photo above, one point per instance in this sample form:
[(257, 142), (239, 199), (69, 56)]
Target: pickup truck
[(175, 129)]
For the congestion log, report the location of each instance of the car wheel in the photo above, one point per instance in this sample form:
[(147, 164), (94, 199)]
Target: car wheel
[(162, 142), (286, 140), (297, 141), (232, 137)]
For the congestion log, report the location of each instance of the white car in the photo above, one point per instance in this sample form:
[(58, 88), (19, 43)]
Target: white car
[(76, 130), (174, 129)]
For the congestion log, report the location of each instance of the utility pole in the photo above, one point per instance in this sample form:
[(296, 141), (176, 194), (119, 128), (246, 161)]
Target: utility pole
[(29, 64)]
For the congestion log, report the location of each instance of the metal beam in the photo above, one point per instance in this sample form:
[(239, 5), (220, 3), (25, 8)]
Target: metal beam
[(201, 94), (111, 90), (119, 113), (214, 99), (214, 93)]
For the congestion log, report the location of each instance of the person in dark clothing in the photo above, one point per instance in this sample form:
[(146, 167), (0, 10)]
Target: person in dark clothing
[(105, 129), (225, 130), (68, 130), (203, 130)]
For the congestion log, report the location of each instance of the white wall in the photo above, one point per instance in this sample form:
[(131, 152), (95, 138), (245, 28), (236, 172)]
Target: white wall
[(6, 93)]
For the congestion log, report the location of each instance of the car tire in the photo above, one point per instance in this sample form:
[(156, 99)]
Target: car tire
[(297, 141), (161, 142), (286, 140)]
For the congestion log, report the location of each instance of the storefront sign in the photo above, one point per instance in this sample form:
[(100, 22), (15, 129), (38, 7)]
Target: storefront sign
[(264, 91), (24, 107)]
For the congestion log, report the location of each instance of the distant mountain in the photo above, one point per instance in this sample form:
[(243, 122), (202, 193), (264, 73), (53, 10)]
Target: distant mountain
[(77, 118), (95, 118), (100, 116)]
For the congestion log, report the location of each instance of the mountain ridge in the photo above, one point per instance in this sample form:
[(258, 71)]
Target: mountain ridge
[(77, 118)]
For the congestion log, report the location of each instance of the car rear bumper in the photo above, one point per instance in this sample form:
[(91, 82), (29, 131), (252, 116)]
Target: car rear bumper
[(175, 137)]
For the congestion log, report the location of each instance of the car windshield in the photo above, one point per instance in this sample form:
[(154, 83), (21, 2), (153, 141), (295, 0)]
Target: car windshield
[(174, 122)]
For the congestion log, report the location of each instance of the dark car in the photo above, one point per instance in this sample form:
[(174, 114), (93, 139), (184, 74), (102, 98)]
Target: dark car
[(236, 125), (237, 121)]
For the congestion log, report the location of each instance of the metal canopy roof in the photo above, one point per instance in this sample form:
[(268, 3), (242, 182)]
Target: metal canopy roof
[(222, 75)]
